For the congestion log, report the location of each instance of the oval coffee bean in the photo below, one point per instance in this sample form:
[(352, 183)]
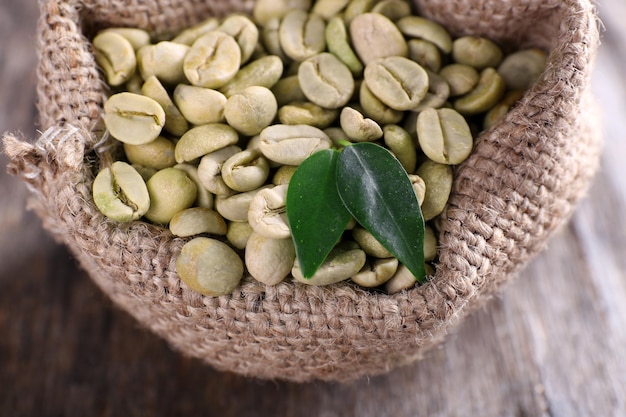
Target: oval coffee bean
[(339, 44), (376, 272), (235, 207), (246, 170), (302, 35), (163, 60), (251, 110), (358, 128), (175, 122), (290, 145), (244, 31), (262, 72), (429, 30), (204, 139), (213, 60), (210, 170), (444, 135), (269, 260), (199, 105), (116, 56), (209, 267), (120, 193), (438, 180), (374, 36), (238, 234), (521, 69), (197, 220), (461, 78), (326, 81), (477, 52), (268, 214), (171, 191), (132, 118), (157, 154), (340, 265), (484, 96), (398, 82)]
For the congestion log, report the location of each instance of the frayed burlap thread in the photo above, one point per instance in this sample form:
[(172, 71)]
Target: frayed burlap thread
[(520, 184)]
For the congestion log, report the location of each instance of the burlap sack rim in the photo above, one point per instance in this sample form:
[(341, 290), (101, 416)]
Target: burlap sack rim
[(413, 305)]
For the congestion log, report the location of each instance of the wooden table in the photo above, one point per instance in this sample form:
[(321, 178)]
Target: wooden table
[(65, 350)]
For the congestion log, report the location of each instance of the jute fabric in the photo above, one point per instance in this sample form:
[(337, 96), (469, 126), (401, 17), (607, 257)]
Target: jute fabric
[(518, 187)]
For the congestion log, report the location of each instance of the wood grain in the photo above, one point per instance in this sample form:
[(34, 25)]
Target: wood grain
[(65, 350)]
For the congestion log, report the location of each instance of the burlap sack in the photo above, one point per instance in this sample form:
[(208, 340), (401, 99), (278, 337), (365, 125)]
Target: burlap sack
[(519, 185)]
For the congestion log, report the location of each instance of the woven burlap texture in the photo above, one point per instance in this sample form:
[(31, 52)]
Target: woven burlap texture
[(519, 185)]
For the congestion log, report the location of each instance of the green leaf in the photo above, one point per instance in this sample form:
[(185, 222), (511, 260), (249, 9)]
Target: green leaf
[(377, 191), (317, 217)]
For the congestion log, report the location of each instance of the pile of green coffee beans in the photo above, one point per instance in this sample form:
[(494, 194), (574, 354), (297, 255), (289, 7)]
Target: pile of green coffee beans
[(215, 120)]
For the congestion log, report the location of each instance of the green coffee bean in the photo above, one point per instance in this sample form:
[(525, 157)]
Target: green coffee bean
[(376, 109), (287, 90), (157, 154), (437, 94), (120, 193), (430, 244), (136, 37), (497, 112), (460, 77), (369, 244), (402, 145), (163, 60), (197, 220), (338, 43), (204, 198), (245, 171), (251, 110), (132, 118), (244, 31), (485, 95), (292, 144), (398, 82), (302, 35), (328, 9), (358, 128), (340, 265), (267, 213), (444, 135), (189, 35), (145, 172), (213, 60), (271, 39), (210, 170), (425, 53), (171, 191), (392, 9), (269, 260), (402, 280), (235, 207), (356, 8), (262, 72), (429, 30), (376, 272), (199, 105), (283, 174), (265, 10), (419, 187), (326, 81), (175, 122), (477, 52), (116, 56), (202, 140), (238, 234), (521, 69), (374, 36), (209, 267), (438, 179), (307, 113)]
